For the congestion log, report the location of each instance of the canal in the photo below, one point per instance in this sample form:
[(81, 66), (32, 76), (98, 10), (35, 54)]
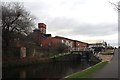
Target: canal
[(48, 71)]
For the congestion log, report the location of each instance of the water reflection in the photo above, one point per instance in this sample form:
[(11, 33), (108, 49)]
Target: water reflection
[(23, 74), (47, 70)]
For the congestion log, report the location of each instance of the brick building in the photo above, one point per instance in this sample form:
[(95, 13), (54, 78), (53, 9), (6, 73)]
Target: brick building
[(72, 44), (44, 40)]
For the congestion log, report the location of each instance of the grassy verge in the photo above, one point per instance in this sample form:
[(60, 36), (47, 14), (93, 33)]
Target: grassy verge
[(62, 54), (59, 55), (87, 72), (107, 53)]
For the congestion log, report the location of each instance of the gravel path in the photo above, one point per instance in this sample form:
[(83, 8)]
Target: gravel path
[(106, 57)]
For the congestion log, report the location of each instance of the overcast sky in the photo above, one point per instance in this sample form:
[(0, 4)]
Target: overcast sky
[(77, 19)]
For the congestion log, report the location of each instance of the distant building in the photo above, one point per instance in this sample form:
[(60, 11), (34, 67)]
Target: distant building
[(99, 44)]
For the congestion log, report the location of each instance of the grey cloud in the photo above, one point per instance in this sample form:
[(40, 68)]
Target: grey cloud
[(38, 8), (60, 26), (44, 8), (72, 3), (113, 42), (69, 26), (96, 30)]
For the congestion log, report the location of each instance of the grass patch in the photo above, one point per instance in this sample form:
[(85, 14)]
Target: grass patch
[(87, 72), (59, 55), (107, 53)]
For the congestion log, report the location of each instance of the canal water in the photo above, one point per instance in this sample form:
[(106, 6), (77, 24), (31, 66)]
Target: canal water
[(48, 71)]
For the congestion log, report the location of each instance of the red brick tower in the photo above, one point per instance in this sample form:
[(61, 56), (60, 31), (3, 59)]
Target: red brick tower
[(42, 28)]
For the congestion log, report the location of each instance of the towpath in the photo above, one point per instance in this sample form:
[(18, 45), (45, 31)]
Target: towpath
[(110, 70)]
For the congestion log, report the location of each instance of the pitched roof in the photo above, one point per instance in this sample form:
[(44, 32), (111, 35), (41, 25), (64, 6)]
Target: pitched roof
[(94, 41), (68, 39)]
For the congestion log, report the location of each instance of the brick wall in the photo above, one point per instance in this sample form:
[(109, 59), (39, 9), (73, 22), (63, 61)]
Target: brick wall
[(73, 44)]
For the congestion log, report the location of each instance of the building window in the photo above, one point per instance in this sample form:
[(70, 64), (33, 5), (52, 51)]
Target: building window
[(62, 41)]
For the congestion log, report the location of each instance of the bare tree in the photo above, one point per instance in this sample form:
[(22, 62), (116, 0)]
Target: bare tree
[(116, 5), (15, 20)]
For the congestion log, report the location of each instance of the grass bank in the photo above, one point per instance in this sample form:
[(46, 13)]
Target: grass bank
[(60, 54), (87, 72), (29, 61)]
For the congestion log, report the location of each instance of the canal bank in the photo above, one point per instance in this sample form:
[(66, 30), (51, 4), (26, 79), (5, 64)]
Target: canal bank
[(24, 62), (76, 56), (95, 69), (87, 72), (48, 68)]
